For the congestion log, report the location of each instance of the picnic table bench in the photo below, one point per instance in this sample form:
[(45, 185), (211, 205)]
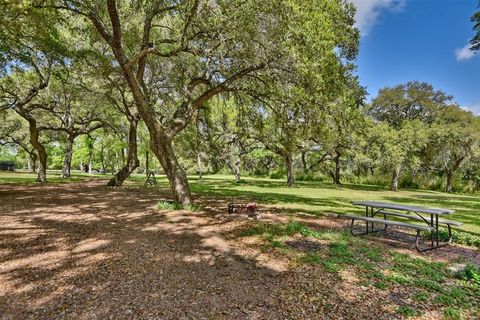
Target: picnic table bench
[(429, 217)]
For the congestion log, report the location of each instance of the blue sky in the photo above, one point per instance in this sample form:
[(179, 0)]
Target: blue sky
[(422, 40)]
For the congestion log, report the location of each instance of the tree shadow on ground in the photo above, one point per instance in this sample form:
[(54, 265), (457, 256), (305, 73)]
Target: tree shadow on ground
[(83, 251), (269, 183)]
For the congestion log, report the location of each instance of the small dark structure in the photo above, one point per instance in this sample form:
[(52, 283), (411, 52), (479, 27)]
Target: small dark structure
[(151, 180), (249, 209), (7, 166)]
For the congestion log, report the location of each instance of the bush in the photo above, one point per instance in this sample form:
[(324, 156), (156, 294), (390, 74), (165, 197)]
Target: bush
[(310, 177), (378, 180), (278, 174), (409, 182), (470, 273), (458, 237)]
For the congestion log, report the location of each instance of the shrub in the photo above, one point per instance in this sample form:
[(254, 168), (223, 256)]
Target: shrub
[(470, 273), (310, 177), (278, 174), (409, 182), (459, 237)]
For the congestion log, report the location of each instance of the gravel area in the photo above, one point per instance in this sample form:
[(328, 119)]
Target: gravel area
[(84, 251)]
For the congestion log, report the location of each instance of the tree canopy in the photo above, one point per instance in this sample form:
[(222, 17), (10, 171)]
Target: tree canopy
[(245, 87)]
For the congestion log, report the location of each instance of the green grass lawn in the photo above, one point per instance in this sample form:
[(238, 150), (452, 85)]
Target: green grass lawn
[(321, 197), (308, 197), (53, 176)]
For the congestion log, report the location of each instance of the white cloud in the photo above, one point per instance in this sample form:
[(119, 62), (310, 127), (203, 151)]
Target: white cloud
[(475, 108), (368, 12), (464, 53)]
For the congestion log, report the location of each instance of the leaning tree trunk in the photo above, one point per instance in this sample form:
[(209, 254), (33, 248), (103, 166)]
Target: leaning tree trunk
[(42, 167), (162, 148), (289, 166), (160, 141), (37, 145), (42, 154), (32, 162), (395, 177), (67, 162), (132, 158)]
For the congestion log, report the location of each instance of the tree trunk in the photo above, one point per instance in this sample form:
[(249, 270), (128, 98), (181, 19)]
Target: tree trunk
[(451, 172), (289, 166), (90, 161), (67, 163), (336, 175), (395, 177), (123, 157), (147, 162), (304, 162), (115, 164), (37, 145), (42, 167), (132, 158), (234, 165), (32, 162), (102, 159), (42, 154), (199, 166), (160, 137), (162, 148), (449, 188)]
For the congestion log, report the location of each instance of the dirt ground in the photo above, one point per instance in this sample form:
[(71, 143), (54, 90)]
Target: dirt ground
[(84, 251)]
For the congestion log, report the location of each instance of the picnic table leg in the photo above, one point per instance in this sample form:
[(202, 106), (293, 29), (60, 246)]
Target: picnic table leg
[(385, 218), (449, 234), (431, 232), (372, 215), (434, 236)]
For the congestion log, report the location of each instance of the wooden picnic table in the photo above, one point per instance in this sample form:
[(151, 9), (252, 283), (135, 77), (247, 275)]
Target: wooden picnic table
[(429, 218)]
